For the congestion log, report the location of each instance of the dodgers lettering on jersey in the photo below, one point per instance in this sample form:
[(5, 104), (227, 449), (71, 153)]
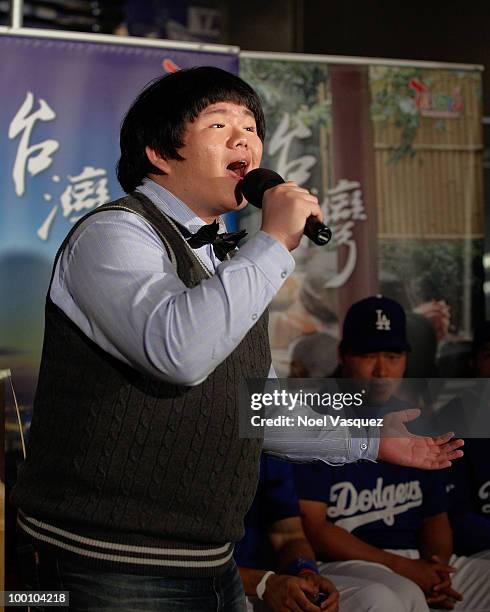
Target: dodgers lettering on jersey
[(468, 486), (351, 509), (484, 495), (380, 503)]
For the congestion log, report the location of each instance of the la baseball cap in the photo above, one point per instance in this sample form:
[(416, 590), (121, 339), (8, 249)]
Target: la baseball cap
[(374, 324)]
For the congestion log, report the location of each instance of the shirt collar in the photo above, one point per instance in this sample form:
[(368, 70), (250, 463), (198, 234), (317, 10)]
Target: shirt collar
[(172, 206)]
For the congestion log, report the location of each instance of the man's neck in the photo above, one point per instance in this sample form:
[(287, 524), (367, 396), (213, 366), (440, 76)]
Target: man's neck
[(160, 179)]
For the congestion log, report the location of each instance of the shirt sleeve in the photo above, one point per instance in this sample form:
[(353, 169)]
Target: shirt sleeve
[(331, 445), (116, 282)]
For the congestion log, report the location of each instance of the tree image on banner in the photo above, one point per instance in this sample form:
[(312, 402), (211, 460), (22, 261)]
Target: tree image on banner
[(393, 101)]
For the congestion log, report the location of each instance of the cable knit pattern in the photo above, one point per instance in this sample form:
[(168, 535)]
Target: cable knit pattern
[(118, 460)]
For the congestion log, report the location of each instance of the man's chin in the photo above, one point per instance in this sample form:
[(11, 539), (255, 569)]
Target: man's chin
[(380, 394), (377, 398)]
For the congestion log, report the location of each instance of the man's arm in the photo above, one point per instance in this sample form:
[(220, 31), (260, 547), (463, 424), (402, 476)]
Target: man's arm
[(393, 443), (332, 543), (288, 540), (116, 282), (335, 543), (293, 553), (435, 538)]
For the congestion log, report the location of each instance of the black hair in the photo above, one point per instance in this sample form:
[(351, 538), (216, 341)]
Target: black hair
[(159, 115)]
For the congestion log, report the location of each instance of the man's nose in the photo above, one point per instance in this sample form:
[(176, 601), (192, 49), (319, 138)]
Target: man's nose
[(380, 369), (238, 139)]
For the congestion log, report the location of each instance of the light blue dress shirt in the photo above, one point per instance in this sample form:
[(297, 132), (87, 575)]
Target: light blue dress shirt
[(116, 282)]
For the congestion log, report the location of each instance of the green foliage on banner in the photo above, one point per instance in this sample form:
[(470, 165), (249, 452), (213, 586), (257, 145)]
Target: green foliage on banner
[(394, 96), (393, 102), (299, 88)]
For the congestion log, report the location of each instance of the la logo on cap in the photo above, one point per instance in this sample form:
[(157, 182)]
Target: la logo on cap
[(382, 322)]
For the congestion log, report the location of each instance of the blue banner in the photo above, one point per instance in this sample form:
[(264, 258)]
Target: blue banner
[(62, 103)]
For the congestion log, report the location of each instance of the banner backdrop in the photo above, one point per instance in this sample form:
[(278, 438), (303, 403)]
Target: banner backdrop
[(62, 103), (394, 154)]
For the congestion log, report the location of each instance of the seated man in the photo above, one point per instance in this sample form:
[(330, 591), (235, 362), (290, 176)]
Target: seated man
[(275, 542), (380, 522), (469, 482)]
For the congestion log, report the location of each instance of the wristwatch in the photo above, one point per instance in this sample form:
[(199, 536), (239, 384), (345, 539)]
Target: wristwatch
[(300, 564)]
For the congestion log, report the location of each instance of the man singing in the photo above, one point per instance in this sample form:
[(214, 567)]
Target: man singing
[(136, 481)]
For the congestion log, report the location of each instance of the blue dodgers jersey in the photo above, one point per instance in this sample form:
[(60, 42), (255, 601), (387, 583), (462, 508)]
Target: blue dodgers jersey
[(380, 503), (274, 501), (468, 487)]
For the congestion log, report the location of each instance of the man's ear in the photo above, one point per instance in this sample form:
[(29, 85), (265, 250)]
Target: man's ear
[(157, 160)]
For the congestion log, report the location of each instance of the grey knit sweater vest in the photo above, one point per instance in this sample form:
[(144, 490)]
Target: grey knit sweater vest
[(127, 472)]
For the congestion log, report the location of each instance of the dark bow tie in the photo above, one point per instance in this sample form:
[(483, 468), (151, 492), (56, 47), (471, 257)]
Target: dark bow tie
[(222, 243)]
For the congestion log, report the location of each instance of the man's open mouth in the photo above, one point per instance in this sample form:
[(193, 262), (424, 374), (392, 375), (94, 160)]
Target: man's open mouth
[(238, 168)]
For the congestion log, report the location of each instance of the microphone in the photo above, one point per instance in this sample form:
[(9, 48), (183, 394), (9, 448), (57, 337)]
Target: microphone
[(257, 181)]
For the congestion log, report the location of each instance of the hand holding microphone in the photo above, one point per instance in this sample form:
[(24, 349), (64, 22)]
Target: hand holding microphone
[(288, 210)]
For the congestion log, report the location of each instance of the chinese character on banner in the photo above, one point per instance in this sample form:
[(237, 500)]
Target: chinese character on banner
[(33, 158), (86, 191), (297, 170), (343, 206)]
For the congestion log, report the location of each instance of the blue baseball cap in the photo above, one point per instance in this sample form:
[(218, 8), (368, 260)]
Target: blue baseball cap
[(375, 324)]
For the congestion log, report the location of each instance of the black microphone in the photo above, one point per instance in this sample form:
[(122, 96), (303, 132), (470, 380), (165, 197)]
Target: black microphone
[(257, 181)]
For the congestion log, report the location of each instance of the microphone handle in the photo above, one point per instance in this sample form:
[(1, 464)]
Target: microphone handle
[(317, 231)]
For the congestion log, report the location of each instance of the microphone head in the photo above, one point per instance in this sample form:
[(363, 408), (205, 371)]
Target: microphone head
[(256, 182)]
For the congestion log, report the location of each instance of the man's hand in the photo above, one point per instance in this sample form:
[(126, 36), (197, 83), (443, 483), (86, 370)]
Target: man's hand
[(397, 445), (443, 595), (286, 593), (438, 313), (324, 585), (427, 574), (285, 209)]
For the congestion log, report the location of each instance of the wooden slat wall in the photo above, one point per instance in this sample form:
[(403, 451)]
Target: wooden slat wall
[(438, 193)]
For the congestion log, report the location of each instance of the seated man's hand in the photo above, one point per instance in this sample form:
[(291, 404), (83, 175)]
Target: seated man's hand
[(284, 593), (324, 585), (397, 445), (443, 595), (427, 574)]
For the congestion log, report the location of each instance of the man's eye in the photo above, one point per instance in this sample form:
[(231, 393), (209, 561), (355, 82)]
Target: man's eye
[(218, 125)]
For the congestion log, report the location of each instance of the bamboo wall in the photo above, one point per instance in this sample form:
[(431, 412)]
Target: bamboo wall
[(437, 192)]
